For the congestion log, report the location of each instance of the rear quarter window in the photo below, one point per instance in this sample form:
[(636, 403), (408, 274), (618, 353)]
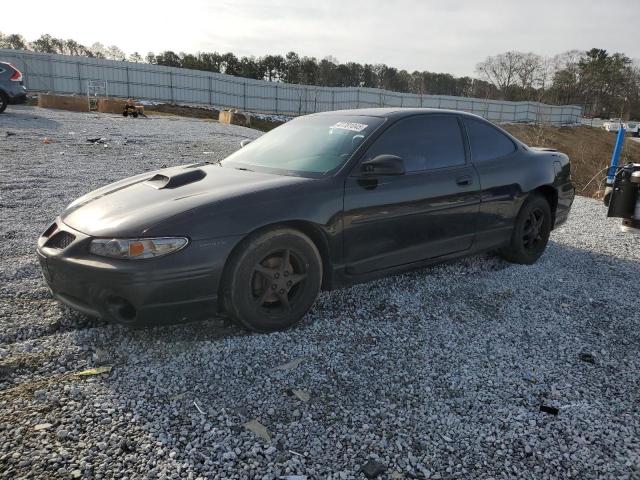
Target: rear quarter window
[(486, 141)]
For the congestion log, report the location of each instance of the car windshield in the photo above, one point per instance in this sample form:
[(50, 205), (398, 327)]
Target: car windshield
[(306, 146)]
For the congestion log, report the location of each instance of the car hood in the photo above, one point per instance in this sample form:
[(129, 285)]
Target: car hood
[(133, 205)]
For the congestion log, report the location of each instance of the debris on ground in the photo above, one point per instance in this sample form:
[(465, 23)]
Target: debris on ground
[(95, 371), (373, 469), (259, 429), (300, 394), (588, 357), (549, 409), (42, 426), (290, 365)]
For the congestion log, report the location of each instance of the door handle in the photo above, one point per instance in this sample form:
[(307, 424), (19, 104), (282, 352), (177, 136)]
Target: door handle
[(463, 181)]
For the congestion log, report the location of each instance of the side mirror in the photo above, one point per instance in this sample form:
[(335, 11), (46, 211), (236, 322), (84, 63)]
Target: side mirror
[(245, 142), (383, 165)]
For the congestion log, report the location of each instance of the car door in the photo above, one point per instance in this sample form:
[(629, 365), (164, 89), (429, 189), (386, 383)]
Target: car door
[(495, 158), (427, 212)]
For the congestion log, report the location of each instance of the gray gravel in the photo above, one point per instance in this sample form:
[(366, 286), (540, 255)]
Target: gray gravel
[(438, 373)]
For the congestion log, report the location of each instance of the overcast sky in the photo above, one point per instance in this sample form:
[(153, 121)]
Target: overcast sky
[(434, 35)]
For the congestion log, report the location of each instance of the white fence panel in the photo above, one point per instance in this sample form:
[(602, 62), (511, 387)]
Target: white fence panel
[(68, 74)]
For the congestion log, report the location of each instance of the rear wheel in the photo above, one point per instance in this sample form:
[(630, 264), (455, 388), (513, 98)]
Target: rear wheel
[(273, 280), (3, 102), (531, 232)]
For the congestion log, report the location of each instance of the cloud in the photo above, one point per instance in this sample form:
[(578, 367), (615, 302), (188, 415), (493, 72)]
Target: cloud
[(411, 34)]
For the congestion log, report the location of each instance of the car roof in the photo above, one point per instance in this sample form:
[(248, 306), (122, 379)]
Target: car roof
[(394, 112)]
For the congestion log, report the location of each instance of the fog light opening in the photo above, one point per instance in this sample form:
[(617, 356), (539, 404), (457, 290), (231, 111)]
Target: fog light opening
[(122, 309)]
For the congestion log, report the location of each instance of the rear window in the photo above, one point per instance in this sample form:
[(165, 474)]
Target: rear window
[(487, 142)]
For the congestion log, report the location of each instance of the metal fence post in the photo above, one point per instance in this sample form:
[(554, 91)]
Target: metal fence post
[(244, 95), (333, 100), (276, 98), (358, 98), (128, 83), (79, 79), (51, 82), (171, 85), (210, 88)]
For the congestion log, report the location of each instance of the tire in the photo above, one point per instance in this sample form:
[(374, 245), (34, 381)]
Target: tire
[(531, 232), (272, 280), (3, 102)]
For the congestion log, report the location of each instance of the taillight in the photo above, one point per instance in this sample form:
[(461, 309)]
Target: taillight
[(17, 75)]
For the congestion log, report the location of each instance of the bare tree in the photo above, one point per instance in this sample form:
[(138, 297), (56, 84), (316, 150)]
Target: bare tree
[(501, 70), (14, 41), (114, 53), (529, 70), (99, 50), (135, 57), (515, 74)]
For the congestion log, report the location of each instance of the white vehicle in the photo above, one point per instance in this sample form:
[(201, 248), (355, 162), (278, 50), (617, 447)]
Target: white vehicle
[(630, 128), (612, 125)]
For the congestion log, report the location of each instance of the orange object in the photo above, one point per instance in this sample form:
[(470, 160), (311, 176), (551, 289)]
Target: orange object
[(46, 141), (135, 249)]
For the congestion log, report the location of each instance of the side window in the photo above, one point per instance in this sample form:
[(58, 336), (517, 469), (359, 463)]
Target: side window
[(487, 142), (424, 142)]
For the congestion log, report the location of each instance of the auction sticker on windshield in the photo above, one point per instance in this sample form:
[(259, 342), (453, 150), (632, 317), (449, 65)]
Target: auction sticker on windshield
[(355, 127)]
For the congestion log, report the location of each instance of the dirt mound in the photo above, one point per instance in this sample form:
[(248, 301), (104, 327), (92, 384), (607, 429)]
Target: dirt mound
[(589, 149)]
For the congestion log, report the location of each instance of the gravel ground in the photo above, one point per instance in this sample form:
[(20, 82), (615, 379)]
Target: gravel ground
[(439, 373)]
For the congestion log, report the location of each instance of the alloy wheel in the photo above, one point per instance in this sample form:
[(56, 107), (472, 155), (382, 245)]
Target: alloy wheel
[(533, 230), (277, 280)]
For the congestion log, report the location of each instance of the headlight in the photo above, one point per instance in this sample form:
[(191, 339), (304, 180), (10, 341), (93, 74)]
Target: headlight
[(134, 248)]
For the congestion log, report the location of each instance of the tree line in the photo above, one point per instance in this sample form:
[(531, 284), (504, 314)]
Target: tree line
[(606, 84)]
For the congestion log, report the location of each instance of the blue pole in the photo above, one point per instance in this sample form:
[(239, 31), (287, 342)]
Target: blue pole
[(617, 150)]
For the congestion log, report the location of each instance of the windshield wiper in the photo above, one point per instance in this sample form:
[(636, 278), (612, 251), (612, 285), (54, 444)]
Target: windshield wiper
[(244, 168)]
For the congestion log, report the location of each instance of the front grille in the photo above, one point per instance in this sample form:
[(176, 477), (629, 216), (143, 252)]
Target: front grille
[(60, 240)]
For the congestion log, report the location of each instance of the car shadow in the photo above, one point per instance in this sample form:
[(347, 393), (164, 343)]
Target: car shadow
[(25, 118)]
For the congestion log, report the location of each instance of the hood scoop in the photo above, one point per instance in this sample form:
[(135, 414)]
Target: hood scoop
[(176, 180)]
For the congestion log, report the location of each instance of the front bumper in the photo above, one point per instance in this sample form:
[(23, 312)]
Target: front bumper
[(178, 286)]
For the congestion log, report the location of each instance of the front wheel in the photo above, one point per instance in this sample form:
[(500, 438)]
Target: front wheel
[(272, 280), (3, 102), (531, 232)]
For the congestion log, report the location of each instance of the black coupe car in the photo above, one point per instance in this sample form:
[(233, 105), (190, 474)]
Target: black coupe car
[(322, 201)]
